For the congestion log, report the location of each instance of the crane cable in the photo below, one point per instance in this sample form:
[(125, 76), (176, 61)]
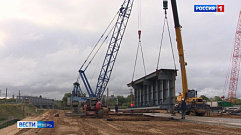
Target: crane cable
[(166, 21), (171, 45), (99, 48), (96, 53), (97, 65), (227, 77), (135, 63), (97, 44), (139, 42)]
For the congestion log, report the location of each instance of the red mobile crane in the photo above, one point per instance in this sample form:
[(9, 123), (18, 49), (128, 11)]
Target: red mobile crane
[(236, 57)]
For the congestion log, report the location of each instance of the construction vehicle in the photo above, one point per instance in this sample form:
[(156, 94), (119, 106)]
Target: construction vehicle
[(90, 104), (89, 107), (194, 104)]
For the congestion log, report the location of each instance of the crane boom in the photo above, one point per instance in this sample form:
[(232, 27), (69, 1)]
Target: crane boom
[(113, 47), (111, 54), (194, 104), (180, 48), (233, 84), (92, 103)]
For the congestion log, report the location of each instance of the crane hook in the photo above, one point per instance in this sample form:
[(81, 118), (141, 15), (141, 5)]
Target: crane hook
[(139, 33), (165, 6)]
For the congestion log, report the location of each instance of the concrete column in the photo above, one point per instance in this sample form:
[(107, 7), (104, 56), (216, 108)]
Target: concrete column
[(151, 95), (140, 95), (172, 91), (147, 95), (143, 96), (162, 92), (156, 94), (136, 98), (168, 87)]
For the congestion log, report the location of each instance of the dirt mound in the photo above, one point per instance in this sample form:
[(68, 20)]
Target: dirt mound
[(93, 126)]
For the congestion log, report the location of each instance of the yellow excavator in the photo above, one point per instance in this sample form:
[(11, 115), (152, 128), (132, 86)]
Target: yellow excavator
[(194, 104)]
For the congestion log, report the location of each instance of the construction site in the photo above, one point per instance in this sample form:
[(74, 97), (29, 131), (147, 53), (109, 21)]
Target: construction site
[(163, 96), (130, 124)]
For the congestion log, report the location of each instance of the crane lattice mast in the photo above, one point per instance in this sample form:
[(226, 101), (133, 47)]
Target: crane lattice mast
[(235, 63), (114, 46)]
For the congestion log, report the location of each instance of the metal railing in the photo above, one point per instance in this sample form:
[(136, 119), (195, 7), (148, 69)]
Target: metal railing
[(8, 123)]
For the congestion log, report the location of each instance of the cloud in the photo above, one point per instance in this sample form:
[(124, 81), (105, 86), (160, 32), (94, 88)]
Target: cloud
[(44, 43)]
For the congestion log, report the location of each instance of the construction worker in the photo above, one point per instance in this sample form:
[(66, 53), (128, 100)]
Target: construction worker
[(132, 104), (183, 108), (116, 108)]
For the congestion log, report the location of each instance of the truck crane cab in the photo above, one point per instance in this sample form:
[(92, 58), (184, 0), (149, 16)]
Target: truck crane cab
[(194, 104)]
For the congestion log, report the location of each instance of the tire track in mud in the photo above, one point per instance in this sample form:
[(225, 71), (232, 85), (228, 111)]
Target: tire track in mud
[(136, 128), (121, 127), (43, 117), (93, 126)]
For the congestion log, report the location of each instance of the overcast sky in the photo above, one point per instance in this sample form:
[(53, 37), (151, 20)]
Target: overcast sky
[(43, 43)]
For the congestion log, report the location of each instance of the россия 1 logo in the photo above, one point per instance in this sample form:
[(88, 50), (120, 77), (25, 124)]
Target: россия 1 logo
[(208, 8)]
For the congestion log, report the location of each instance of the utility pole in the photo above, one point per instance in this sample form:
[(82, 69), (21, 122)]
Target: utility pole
[(107, 102), (6, 95), (23, 109), (19, 96)]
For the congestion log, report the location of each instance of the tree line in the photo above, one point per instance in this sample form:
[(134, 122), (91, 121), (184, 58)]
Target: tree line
[(218, 98), (122, 101), (126, 101)]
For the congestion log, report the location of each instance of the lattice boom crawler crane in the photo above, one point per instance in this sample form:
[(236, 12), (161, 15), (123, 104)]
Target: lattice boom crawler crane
[(92, 104)]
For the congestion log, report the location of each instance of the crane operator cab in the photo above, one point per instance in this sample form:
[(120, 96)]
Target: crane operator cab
[(194, 104)]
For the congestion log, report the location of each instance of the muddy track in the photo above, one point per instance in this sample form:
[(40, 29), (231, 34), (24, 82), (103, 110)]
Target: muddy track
[(65, 125)]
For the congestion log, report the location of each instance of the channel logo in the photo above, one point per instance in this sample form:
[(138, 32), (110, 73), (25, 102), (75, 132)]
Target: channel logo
[(208, 8), (35, 124)]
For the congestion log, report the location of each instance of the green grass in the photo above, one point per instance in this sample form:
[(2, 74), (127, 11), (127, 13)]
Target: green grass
[(10, 111)]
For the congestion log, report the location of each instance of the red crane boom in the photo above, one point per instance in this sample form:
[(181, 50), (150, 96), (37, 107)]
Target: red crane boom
[(235, 63)]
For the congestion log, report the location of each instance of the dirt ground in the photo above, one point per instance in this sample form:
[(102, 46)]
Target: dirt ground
[(73, 125)]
